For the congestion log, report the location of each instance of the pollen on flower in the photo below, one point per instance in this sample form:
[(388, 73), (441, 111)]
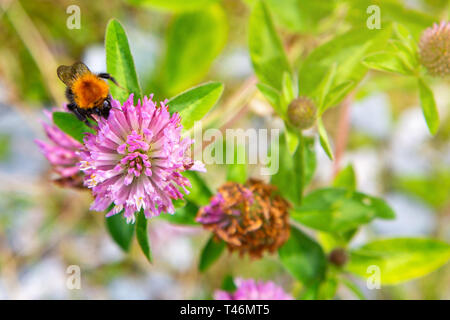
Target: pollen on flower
[(117, 209), (140, 203), (136, 158), (92, 181), (84, 165)]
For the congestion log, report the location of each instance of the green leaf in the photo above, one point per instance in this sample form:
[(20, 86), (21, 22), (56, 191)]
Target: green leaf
[(310, 292), (405, 36), (390, 11), (346, 51), (387, 61), (399, 259), (424, 185), (407, 56), (237, 171), (327, 289), (274, 98), (69, 124), (228, 284), (199, 193), (416, 21), (310, 161), (210, 253), (184, 215), (325, 86), (304, 166), (303, 258), (120, 231), (330, 241), (194, 40), (336, 94), (194, 104), (288, 88), (299, 171), (300, 15), (174, 5), (353, 288), (429, 107), (346, 179), (402, 32), (266, 51), (323, 138), (339, 210), (119, 62), (292, 139), (288, 178), (142, 235)]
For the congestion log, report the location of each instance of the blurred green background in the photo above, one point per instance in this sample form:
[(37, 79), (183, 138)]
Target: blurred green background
[(178, 44)]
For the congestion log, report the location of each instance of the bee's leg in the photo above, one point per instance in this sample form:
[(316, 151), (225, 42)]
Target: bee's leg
[(104, 111), (73, 108), (95, 110), (107, 76), (79, 114), (89, 114)]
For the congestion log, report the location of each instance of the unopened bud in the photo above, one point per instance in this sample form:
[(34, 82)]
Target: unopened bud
[(302, 113), (434, 49), (338, 257)]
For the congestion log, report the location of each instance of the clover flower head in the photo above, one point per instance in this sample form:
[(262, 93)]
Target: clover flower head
[(250, 289), (250, 218), (434, 49), (136, 158), (62, 151)]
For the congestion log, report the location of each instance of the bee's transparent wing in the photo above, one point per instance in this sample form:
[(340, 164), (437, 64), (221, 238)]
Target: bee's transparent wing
[(68, 74)]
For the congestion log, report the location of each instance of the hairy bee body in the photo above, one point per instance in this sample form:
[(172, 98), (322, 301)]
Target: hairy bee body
[(87, 93)]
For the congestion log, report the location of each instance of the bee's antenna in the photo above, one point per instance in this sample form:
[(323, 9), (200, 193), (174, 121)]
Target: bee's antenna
[(117, 84), (107, 76)]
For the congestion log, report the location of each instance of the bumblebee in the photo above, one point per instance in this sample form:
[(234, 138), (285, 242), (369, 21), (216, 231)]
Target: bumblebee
[(88, 93)]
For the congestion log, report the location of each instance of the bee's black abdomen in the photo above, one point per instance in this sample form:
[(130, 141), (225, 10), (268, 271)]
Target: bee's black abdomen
[(70, 96)]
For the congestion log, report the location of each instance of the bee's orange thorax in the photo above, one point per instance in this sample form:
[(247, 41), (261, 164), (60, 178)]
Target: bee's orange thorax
[(89, 91)]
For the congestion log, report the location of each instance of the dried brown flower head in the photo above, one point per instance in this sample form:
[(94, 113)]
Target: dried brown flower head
[(250, 218)]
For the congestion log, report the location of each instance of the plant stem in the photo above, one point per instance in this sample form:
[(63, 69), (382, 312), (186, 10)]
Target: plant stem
[(342, 133), (299, 166)]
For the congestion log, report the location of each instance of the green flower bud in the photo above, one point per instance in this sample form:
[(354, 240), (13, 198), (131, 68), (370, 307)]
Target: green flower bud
[(302, 113)]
